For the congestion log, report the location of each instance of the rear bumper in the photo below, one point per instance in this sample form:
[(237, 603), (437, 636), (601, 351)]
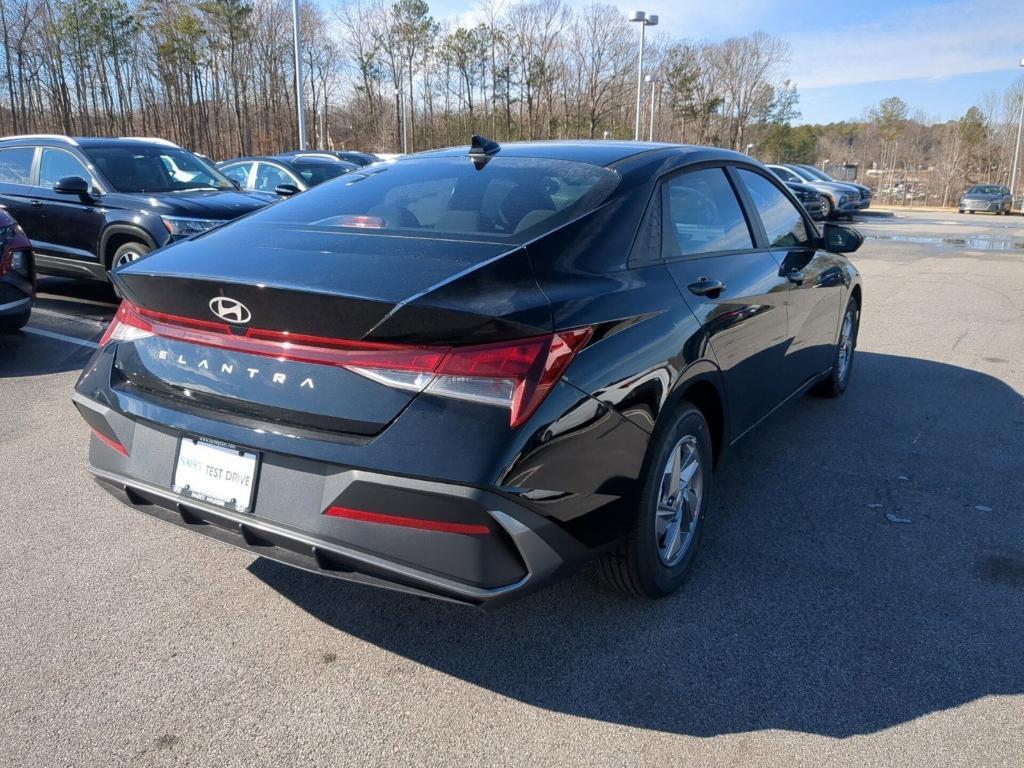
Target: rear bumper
[(16, 294), (521, 551), (15, 306)]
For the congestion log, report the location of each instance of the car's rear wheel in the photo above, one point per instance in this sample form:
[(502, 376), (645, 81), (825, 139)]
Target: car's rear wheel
[(128, 253), (846, 346), (666, 530)]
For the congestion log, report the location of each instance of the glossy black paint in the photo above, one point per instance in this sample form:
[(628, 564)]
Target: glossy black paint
[(560, 486), (76, 234)]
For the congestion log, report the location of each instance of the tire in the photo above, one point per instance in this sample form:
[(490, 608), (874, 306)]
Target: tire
[(846, 347), (647, 563), (829, 209), (12, 323), (127, 253)]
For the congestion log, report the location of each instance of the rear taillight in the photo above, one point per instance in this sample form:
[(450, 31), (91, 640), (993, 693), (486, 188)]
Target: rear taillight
[(516, 374), (127, 325)]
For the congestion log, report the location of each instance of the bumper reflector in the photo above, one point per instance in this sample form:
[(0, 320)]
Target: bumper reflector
[(111, 442), (363, 516)]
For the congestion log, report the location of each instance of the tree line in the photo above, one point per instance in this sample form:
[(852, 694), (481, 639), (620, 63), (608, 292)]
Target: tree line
[(218, 77)]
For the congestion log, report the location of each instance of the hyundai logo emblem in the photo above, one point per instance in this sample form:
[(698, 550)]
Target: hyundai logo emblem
[(230, 309)]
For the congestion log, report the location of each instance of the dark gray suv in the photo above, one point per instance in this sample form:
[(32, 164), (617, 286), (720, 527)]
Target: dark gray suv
[(92, 204)]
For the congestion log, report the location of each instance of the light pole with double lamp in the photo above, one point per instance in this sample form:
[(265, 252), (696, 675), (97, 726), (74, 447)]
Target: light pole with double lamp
[(1016, 151), (645, 21)]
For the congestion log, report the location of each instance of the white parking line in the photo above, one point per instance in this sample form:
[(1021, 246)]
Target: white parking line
[(62, 337), (75, 299), (66, 316)]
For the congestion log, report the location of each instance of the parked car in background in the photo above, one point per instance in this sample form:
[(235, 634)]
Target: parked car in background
[(90, 205), (17, 275), (987, 198), (840, 200), (864, 190), (358, 158), (811, 199), (811, 175), (285, 174), (585, 327)]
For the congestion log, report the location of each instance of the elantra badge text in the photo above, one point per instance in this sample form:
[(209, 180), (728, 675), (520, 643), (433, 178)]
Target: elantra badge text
[(228, 369)]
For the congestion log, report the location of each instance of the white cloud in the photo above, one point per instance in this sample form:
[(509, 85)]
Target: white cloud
[(928, 43)]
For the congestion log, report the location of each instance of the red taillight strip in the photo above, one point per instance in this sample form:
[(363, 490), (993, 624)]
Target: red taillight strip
[(534, 364), (282, 345), (469, 529), (110, 442)]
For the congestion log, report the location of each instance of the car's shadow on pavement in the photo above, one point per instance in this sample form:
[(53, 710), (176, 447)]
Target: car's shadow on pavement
[(809, 609)]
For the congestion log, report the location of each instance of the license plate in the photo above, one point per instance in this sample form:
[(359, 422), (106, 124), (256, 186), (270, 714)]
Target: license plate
[(216, 474)]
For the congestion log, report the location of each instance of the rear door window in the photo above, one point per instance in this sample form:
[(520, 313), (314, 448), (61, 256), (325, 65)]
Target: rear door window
[(16, 165), (783, 222), (701, 215)]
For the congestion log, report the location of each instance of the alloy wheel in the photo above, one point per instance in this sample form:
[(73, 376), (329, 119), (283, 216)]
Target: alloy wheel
[(127, 258), (846, 345), (679, 502)]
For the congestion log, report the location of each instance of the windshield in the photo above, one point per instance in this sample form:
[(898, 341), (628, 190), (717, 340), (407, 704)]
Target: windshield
[(985, 189), (815, 173), (147, 168), (506, 198)]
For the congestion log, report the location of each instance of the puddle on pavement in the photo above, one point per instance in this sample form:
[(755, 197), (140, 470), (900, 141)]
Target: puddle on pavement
[(974, 243)]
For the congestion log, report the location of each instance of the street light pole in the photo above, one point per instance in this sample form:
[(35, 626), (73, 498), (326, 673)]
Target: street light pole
[(1016, 151), (645, 21), (653, 81), (298, 75)]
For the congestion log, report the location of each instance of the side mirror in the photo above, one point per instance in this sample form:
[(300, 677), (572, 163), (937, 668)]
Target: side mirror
[(72, 185), (841, 239), (286, 190)]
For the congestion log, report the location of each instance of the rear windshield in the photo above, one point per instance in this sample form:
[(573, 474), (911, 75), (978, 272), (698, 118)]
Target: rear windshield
[(318, 173), (512, 198)]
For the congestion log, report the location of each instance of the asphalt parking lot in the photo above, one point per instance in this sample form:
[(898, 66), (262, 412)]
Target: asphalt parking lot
[(859, 600)]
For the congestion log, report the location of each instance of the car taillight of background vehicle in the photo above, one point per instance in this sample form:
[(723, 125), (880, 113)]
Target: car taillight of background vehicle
[(516, 374)]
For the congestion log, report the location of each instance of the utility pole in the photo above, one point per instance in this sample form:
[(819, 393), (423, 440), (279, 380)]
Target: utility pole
[(654, 84), (1016, 151), (298, 75)]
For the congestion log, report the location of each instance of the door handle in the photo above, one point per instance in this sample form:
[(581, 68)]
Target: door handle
[(36, 203), (707, 287), (795, 276)]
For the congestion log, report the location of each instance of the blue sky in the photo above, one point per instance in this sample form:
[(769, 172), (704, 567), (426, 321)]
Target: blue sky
[(940, 57)]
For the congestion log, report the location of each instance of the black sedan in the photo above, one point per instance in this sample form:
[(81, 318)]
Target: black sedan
[(467, 373), (286, 174), (987, 198), (17, 275)]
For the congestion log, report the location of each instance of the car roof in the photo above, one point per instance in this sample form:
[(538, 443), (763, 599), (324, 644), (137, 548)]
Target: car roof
[(595, 152), (56, 140)]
